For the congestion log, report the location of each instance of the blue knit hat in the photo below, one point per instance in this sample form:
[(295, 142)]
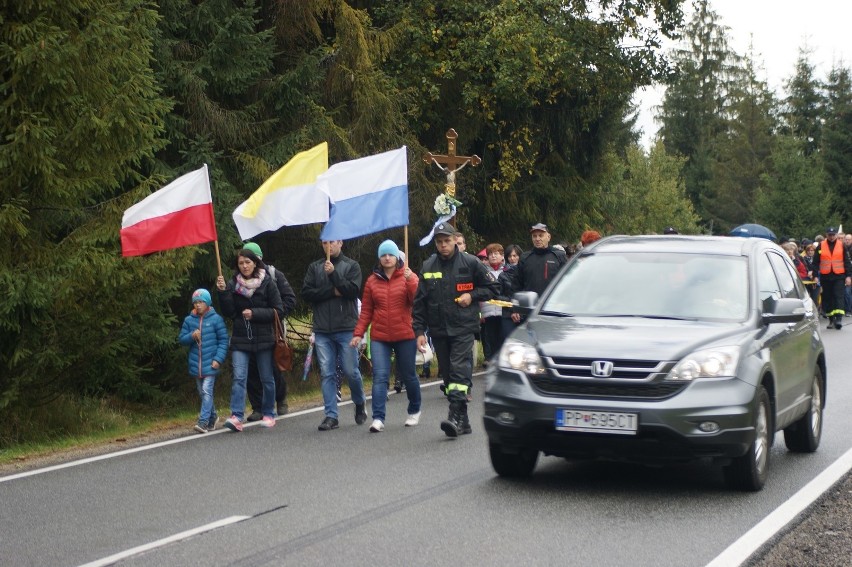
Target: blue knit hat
[(201, 295), (388, 247)]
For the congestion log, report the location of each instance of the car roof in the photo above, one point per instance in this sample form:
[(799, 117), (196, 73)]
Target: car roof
[(681, 244)]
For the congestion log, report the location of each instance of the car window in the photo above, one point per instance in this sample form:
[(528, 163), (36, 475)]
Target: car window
[(641, 284), (786, 277), (767, 283)]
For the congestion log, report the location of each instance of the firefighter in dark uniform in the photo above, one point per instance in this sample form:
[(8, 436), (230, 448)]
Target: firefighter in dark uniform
[(835, 269), (451, 286)]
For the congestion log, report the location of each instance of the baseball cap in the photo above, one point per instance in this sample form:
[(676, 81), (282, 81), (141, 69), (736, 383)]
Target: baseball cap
[(670, 230), (445, 228), (539, 226), (831, 230)]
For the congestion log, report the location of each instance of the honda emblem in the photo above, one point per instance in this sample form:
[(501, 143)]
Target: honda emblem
[(602, 369)]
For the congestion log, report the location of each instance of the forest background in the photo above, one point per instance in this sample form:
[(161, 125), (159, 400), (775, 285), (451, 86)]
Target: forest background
[(104, 102)]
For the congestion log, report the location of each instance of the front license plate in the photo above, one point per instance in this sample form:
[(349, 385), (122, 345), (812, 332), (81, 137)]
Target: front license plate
[(597, 421)]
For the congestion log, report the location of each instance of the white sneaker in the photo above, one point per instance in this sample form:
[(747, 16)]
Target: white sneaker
[(377, 426), (413, 419)]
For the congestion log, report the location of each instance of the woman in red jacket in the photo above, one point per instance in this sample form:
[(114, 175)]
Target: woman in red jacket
[(386, 304)]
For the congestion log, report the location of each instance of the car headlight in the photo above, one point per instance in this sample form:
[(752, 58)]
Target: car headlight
[(710, 363), (520, 356)]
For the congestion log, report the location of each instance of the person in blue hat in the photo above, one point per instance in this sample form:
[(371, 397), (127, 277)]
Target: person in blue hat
[(206, 335)]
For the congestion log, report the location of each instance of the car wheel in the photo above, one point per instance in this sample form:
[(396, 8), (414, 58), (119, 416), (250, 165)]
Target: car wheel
[(803, 435), (519, 464), (749, 471)]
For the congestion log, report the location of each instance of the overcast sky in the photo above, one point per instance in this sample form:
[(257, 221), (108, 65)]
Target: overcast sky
[(778, 29)]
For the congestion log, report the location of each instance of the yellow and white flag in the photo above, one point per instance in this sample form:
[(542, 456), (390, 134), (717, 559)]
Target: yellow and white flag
[(289, 197)]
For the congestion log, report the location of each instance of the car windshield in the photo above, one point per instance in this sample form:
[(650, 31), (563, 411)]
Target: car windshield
[(665, 285)]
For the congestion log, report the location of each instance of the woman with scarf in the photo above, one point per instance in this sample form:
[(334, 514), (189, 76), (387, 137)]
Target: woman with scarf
[(250, 299)]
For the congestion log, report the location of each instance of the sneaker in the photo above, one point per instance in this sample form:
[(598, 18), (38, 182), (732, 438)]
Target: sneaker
[(213, 423), (328, 423), (254, 416), (267, 421), (282, 408), (377, 426), (398, 387), (360, 414), (200, 427), (234, 423), (413, 419)]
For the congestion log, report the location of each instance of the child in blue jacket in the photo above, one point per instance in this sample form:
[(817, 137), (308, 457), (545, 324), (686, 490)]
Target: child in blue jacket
[(205, 334)]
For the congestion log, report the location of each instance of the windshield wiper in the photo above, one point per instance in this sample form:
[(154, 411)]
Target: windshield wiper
[(555, 313), (666, 317)]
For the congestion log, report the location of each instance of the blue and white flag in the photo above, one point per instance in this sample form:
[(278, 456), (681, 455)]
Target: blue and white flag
[(367, 195)]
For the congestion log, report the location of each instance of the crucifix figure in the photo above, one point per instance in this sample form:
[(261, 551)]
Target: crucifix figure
[(451, 163)]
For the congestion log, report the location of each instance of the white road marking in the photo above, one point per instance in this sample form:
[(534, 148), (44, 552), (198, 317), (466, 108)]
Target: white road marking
[(112, 559), (740, 551), (169, 442)]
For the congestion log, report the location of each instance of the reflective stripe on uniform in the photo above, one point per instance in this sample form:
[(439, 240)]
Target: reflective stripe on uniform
[(836, 312), (459, 387), (432, 275)]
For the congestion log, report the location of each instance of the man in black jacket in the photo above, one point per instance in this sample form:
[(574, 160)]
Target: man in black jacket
[(835, 269), (451, 286), (333, 286), (538, 266)]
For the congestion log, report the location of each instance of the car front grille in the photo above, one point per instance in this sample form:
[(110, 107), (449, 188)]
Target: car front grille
[(641, 379)]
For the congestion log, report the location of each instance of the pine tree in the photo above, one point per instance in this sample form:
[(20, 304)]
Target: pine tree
[(804, 105), (81, 115), (696, 107), (837, 138), (743, 150)]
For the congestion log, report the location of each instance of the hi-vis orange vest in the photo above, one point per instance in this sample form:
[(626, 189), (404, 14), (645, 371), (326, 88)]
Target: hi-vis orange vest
[(831, 261)]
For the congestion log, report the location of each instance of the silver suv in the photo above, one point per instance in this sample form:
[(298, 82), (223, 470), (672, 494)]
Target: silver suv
[(661, 349)]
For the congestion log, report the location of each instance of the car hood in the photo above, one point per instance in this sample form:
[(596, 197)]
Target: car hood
[(627, 338)]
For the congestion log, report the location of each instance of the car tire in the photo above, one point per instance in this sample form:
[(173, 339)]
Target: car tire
[(749, 471), (519, 464), (803, 435)]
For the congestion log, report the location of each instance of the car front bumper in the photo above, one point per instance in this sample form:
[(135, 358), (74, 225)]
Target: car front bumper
[(668, 429)]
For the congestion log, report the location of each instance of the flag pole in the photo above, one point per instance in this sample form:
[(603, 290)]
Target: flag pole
[(405, 245), (218, 258)]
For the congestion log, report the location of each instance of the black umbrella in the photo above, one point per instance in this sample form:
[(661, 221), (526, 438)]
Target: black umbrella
[(752, 230)]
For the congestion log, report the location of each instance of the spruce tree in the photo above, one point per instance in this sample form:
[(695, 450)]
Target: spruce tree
[(804, 106), (837, 138)]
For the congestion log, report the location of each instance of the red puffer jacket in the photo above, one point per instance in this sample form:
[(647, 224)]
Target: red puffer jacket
[(387, 304)]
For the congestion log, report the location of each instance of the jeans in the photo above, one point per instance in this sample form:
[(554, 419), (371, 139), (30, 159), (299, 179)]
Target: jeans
[(328, 346), (204, 385), (254, 388), (405, 353), (240, 363)]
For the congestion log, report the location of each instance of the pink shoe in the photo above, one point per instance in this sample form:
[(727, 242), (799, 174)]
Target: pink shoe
[(267, 421), (234, 423)]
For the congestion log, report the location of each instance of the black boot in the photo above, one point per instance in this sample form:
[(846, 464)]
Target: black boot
[(464, 422), (452, 425)]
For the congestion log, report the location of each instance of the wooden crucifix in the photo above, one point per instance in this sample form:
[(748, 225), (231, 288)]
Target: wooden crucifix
[(451, 163)]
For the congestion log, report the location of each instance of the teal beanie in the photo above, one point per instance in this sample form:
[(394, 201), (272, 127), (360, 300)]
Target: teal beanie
[(388, 247)]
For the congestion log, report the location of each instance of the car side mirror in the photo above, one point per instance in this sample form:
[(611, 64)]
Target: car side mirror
[(784, 310), (523, 302)]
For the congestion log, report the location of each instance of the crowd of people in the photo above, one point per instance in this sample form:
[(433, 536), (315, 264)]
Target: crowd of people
[(444, 309), (825, 267)]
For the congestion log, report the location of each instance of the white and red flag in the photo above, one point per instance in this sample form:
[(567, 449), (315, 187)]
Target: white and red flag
[(179, 214)]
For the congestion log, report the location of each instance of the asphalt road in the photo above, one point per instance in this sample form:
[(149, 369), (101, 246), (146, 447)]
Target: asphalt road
[(407, 496)]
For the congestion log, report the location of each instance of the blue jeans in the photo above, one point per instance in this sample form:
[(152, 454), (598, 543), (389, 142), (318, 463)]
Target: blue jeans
[(405, 355), (204, 385), (240, 365), (328, 347)]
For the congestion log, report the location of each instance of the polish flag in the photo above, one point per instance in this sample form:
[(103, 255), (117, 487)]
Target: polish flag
[(179, 214)]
